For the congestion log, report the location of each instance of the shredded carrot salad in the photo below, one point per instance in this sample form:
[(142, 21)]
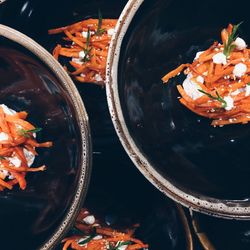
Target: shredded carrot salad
[(17, 148), (87, 44), (217, 83), (93, 236)]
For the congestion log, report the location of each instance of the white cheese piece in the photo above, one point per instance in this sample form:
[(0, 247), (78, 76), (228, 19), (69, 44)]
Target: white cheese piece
[(81, 54), (110, 32), (85, 34), (239, 69), (240, 43), (77, 60), (90, 219), (247, 90), (14, 161), (229, 102), (7, 110), (200, 79), (3, 136), (98, 78), (97, 237), (198, 54), (219, 58), (29, 156), (191, 88)]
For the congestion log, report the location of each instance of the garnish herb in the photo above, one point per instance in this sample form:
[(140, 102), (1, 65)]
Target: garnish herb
[(119, 244), (248, 83), (99, 30), (87, 49), (86, 240), (217, 97), (26, 133), (2, 157), (229, 46)]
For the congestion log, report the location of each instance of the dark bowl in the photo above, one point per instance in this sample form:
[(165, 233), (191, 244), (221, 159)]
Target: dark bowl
[(220, 234), (200, 166), (31, 80)]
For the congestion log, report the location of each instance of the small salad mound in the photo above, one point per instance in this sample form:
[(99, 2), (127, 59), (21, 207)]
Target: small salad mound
[(86, 43), (17, 148), (217, 83), (93, 235)]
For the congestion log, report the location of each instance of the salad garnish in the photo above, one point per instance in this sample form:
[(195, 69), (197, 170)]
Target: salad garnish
[(217, 81)]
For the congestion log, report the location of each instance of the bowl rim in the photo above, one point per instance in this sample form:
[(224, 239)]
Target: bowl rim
[(207, 205), (82, 119)]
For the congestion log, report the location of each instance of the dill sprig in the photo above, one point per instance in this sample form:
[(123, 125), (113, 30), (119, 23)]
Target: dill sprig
[(99, 30), (87, 49), (217, 97), (119, 244), (229, 46), (26, 133)]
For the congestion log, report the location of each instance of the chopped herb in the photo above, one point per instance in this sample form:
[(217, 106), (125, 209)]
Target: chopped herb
[(248, 83), (26, 133), (99, 30), (217, 97), (87, 49), (119, 244), (229, 46), (86, 240)]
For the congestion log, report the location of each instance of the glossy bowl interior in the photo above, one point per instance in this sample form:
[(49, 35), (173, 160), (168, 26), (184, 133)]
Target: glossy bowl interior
[(200, 166), (31, 80)]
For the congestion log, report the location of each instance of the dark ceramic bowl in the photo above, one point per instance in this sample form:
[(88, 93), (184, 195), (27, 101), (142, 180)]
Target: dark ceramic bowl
[(31, 80), (200, 166), (220, 234)]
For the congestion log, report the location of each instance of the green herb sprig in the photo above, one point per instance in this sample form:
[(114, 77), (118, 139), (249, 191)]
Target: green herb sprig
[(229, 46), (87, 49), (217, 97), (119, 244), (26, 133), (99, 30), (86, 240)]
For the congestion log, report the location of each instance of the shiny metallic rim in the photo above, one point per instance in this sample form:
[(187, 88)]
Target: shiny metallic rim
[(209, 206), (82, 118)]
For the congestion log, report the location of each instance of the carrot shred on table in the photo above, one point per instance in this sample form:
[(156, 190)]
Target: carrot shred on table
[(87, 44), (217, 85)]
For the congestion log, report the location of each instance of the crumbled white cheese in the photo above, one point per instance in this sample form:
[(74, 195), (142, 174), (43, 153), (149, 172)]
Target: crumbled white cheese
[(81, 54), (110, 32), (98, 78), (3, 136), (247, 90), (77, 60), (240, 43), (15, 161), (198, 54), (200, 79), (229, 102), (30, 157), (239, 69), (7, 110), (85, 34), (90, 219), (219, 58), (191, 88)]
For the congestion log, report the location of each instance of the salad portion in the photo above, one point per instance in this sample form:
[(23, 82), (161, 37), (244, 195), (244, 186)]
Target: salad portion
[(17, 148), (91, 234), (86, 43), (217, 83)]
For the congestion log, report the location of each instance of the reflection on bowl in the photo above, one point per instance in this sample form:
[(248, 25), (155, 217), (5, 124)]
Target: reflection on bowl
[(200, 166), (33, 81)]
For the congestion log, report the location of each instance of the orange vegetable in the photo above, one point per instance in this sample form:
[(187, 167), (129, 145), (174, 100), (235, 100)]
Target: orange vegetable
[(90, 38)]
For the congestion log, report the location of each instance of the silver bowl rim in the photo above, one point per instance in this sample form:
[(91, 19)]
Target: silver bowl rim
[(207, 205), (83, 122)]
